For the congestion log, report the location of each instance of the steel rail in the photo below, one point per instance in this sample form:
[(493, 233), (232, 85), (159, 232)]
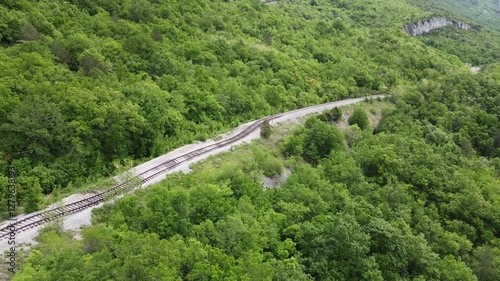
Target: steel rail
[(144, 177), (41, 217)]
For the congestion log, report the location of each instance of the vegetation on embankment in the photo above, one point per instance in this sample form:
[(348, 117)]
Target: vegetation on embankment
[(415, 198), (88, 86)]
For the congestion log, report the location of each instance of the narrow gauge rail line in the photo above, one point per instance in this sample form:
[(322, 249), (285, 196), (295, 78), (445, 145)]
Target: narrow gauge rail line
[(52, 214), (41, 217)]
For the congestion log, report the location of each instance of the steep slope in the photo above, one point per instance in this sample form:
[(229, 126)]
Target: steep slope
[(484, 12), (426, 26), (407, 200), (474, 47), (88, 86), (480, 47)]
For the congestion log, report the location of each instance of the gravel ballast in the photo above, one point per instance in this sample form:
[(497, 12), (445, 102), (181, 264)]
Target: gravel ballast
[(75, 221)]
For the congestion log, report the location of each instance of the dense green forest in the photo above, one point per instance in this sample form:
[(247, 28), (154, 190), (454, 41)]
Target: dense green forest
[(411, 199), (484, 12), (87, 86), (474, 47), (479, 46)]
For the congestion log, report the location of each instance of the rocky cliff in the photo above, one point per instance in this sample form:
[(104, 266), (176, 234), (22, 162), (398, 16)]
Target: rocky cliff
[(428, 25)]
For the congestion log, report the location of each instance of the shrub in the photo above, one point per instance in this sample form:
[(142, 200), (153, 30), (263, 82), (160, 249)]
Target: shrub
[(265, 129), (333, 115), (360, 118), (272, 167), (320, 139)]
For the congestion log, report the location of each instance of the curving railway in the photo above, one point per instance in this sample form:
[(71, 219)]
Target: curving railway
[(44, 216), (144, 177)]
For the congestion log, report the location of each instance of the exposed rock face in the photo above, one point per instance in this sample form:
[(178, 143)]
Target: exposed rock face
[(425, 26)]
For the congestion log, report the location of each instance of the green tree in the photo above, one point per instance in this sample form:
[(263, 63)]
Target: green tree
[(10, 24), (4, 196), (320, 139), (90, 60), (33, 197), (293, 144), (452, 269), (265, 129), (335, 114), (360, 118), (34, 130), (347, 248), (332, 115), (272, 167), (486, 263)]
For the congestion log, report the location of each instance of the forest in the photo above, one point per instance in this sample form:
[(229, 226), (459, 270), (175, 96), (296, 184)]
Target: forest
[(413, 197), (88, 87), (483, 12), (475, 48), (91, 86)]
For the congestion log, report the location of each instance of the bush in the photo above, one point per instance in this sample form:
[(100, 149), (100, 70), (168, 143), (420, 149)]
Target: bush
[(320, 139), (292, 145), (272, 167), (265, 129), (332, 115), (352, 133), (33, 198), (360, 118)]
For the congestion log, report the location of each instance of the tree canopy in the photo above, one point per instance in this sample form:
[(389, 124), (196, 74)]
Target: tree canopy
[(87, 86)]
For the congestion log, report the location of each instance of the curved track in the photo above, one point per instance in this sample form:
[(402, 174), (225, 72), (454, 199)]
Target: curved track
[(49, 215), (41, 217)]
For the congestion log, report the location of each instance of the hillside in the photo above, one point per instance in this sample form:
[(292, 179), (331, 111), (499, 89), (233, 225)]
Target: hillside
[(401, 200), (484, 12), (474, 47), (88, 86), (406, 189)]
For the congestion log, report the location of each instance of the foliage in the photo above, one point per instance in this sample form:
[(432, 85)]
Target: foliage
[(395, 205), (265, 129), (473, 47), (33, 195), (86, 85), (320, 139), (360, 118), (332, 115), (272, 167), (481, 11)]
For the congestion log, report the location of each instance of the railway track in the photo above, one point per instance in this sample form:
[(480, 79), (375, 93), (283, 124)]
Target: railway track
[(45, 216), (42, 217)]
